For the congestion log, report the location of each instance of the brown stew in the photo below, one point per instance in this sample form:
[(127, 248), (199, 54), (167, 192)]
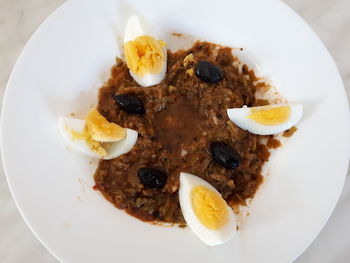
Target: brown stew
[(183, 116)]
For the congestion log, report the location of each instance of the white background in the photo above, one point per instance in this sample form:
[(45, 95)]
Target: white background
[(19, 18)]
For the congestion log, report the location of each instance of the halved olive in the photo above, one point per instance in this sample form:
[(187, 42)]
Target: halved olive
[(152, 177), (129, 103), (208, 72), (225, 155)]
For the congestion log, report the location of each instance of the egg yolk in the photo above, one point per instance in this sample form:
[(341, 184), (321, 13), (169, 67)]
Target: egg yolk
[(209, 207), (97, 129), (101, 129), (93, 145), (144, 55), (270, 115)]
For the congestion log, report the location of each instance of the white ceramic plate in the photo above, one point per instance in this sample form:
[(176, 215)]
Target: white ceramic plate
[(68, 58)]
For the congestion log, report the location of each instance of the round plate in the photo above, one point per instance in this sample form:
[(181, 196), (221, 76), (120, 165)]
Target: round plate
[(68, 58)]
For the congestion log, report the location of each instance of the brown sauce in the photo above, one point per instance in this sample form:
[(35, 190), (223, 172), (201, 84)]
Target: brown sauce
[(290, 132), (273, 143), (183, 115), (177, 125)]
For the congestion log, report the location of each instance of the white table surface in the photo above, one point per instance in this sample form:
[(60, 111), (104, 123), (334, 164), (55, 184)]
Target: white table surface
[(18, 20)]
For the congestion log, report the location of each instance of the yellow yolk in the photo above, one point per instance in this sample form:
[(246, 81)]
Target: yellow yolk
[(270, 115), (209, 207), (101, 129), (144, 55), (97, 129), (94, 145)]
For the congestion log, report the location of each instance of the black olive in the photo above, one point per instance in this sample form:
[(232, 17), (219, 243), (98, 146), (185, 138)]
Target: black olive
[(129, 104), (208, 72), (225, 155), (152, 177)]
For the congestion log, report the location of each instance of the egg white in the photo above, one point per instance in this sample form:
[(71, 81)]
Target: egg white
[(66, 125), (134, 28), (208, 236), (239, 116)]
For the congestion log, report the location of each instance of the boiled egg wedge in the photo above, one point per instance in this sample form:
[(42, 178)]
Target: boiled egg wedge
[(145, 55), (96, 137), (205, 211), (266, 120)]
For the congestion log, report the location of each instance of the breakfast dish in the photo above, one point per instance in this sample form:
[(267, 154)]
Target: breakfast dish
[(69, 58), (181, 136)]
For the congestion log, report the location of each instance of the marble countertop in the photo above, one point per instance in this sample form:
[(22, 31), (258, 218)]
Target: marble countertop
[(18, 20)]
